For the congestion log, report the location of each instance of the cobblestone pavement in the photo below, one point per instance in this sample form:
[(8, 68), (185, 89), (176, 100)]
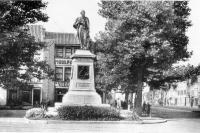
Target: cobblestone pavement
[(173, 125)]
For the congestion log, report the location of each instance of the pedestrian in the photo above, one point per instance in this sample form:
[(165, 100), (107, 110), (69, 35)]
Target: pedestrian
[(42, 105), (129, 104), (118, 103), (144, 108), (115, 104), (148, 109), (192, 101), (45, 104)]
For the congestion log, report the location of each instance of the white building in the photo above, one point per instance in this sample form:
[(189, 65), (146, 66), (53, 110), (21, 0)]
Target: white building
[(183, 94)]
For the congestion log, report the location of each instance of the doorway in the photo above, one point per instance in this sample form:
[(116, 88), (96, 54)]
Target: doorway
[(26, 97), (36, 97)]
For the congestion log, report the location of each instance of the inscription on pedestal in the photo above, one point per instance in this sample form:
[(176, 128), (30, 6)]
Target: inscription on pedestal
[(82, 85)]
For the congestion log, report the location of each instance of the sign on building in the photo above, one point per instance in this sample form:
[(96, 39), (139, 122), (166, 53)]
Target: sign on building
[(61, 84), (63, 61)]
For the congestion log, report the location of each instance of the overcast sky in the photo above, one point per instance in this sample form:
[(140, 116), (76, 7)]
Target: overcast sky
[(62, 14)]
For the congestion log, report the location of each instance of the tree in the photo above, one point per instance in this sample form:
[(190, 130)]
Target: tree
[(18, 64), (142, 39), (174, 75)]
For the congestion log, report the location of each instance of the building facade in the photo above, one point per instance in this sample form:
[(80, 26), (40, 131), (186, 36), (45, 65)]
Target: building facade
[(182, 94), (59, 48)]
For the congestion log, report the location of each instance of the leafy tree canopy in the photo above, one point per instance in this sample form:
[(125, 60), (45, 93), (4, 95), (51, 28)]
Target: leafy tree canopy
[(142, 39), (18, 48), (174, 75), (148, 34)]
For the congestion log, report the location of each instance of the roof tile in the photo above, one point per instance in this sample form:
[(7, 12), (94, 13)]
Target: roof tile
[(62, 38)]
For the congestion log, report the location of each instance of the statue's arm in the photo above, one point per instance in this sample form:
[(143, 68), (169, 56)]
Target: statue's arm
[(88, 25), (75, 25)]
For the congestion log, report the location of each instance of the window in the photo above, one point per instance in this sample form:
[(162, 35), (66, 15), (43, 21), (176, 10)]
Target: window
[(74, 50), (67, 73), (59, 51), (68, 52), (59, 74), (83, 72)]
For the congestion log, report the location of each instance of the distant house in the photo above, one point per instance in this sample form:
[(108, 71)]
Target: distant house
[(183, 94)]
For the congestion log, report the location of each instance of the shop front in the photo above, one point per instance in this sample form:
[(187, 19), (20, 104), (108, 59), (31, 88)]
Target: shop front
[(63, 72)]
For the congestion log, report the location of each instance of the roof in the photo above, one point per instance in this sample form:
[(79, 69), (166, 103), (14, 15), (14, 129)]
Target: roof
[(37, 31), (62, 38)]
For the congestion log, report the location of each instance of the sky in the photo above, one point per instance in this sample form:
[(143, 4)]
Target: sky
[(62, 15)]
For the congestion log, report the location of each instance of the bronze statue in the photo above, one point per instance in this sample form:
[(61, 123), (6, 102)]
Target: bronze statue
[(82, 26)]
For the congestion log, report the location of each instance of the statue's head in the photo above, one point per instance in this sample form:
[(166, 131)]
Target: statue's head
[(83, 13)]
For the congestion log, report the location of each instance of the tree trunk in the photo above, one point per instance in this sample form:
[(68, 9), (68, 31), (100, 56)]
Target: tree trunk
[(126, 99), (126, 96), (131, 100), (104, 97), (138, 98)]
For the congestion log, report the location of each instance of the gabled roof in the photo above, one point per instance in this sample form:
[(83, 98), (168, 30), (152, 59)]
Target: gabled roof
[(62, 38)]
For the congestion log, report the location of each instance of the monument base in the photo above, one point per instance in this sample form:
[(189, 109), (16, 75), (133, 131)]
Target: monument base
[(82, 88), (81, 98)]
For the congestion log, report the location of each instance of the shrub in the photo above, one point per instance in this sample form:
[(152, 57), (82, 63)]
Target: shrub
[(88, 113), (35, 113)]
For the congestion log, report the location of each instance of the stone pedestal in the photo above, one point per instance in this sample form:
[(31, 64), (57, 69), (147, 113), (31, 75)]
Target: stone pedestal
[(82, 89)]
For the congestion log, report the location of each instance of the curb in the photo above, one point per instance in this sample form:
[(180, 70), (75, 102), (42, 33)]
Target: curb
[(78, 122), (154, 121), (157, 121), (28, 121)]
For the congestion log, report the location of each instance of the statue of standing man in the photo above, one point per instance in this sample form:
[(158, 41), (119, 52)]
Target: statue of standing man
[(82, 26)]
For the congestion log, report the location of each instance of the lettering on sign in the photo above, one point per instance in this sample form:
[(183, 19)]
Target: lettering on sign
[(63, 61), (62, 84), (83, 85)]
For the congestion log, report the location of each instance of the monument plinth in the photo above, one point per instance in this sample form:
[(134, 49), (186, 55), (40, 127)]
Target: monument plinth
[(82, 88)]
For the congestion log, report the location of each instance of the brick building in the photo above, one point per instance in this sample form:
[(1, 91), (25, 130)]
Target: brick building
[(60, 46)]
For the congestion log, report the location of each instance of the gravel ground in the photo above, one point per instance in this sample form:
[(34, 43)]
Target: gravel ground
[(12, 113), (164, 112)]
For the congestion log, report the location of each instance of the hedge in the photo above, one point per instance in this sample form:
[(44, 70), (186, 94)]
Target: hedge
[(88, 113)]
